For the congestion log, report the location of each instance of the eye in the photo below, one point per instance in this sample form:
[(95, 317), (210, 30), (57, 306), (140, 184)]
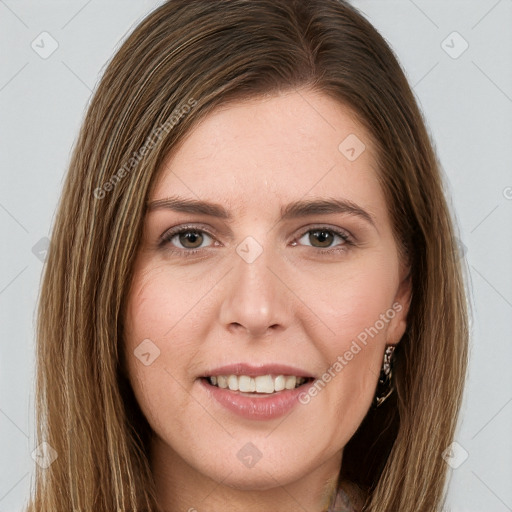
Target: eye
[(186, 240), (324, 238)]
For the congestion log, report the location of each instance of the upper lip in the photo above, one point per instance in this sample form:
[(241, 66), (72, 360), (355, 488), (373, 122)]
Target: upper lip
[(255, 370)]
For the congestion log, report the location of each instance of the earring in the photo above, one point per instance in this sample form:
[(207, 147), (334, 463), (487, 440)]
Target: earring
[(385, 385)]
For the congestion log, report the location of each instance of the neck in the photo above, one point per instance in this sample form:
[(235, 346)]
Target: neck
[(182, 488)]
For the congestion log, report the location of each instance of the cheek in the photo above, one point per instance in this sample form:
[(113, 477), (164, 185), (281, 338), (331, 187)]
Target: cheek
[(351, 298), (161, 301), (154, 309), (354, 304)]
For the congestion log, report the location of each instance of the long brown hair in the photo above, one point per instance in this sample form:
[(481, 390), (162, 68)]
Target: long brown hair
[(184, 60)]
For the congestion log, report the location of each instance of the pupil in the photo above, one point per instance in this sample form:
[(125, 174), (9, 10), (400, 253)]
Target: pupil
[(324, 237)]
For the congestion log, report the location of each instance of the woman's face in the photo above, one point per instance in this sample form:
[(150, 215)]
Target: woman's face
[(267, 285)]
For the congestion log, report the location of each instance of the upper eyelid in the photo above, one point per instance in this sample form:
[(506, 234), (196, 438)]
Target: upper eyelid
[(172, 232)]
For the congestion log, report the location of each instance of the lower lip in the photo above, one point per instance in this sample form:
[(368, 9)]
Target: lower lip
[(258, 408)]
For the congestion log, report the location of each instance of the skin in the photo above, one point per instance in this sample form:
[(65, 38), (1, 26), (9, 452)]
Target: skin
[(292, 304)]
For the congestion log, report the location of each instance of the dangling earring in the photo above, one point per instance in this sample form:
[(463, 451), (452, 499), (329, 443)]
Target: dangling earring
[(385, 385)]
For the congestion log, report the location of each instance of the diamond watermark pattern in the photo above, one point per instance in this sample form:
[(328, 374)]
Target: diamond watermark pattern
[(455, 455), (352, 147), (249, 455), (40, 249), (44, 45), (146, 352), (44, 455), (249, 249), (454, 45), (459, 248)]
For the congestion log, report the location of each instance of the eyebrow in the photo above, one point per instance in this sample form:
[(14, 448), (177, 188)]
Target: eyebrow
[(294, 210)]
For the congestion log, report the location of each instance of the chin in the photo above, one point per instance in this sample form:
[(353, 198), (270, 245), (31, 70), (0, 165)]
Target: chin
[(258, 478)]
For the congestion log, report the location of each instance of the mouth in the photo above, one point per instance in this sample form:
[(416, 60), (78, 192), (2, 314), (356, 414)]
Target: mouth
[(256, 392), (260, 385)]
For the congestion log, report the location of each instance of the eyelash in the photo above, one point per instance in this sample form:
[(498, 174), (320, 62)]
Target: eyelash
[(166, 238)]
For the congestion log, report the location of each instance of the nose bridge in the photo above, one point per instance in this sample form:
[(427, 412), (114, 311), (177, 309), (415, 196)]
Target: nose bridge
[(254, 298)]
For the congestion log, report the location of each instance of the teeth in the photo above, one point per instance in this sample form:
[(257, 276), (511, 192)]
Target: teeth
[(290, 382), (246, 384), (280, 383), (233, 383), (266, 384)]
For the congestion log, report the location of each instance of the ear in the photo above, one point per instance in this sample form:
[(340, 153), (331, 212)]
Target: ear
[(400, 305)]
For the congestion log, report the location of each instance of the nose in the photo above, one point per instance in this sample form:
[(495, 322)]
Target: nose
[(256, 301)]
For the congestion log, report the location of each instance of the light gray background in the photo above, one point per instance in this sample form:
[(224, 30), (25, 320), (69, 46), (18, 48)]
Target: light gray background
[(467, 102)]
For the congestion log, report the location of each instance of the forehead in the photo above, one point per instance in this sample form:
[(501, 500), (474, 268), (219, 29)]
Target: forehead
[(259, 152)]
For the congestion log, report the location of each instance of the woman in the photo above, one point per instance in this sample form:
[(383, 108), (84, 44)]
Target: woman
[(252, 299)]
